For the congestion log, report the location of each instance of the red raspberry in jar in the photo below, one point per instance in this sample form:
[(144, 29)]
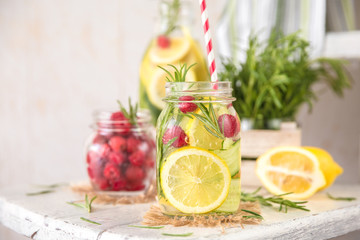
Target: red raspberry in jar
[(119, 184), (134, 173), (163, 41), (111, 172), (99, 139), (137, 158), (117, 143), (135, 186), (121, 124), (178, 133), (228, 125), (104, 150), (187, 106), (116, 158), (132, 144)]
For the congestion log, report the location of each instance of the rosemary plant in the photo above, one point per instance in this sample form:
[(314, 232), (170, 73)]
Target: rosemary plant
[(277, 78)]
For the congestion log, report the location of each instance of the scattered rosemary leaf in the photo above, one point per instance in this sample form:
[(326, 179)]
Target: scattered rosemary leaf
[(284, 204), (39, 193), (150, 227), (90, 221), (177, 235), (86, 205), (340, 198), (56, 185), (254, 214)]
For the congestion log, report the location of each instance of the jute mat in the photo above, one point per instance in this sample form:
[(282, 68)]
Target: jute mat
[(154, 216), (107, 198)]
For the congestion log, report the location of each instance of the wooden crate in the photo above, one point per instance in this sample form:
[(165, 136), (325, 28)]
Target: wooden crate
[(256, 142)]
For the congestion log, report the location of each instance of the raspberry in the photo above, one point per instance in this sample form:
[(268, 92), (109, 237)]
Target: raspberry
[(117, 143), (99, 139), (111, 172), (104, 150), (121, 123), (96, 167), (135, 186), (117, 116), (132, 144), (119, 184), (186, 106), (134, 173), (91, 157), (90, 173), (175, 131), (103, 184), (228, 125), (137, 158), (149, 162), (116, 158), (163, 41)]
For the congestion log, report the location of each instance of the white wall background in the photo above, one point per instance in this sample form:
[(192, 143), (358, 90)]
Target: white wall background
[(61, 59)]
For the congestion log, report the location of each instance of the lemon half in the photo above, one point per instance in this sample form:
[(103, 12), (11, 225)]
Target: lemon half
[(194, 180), (290, 169)]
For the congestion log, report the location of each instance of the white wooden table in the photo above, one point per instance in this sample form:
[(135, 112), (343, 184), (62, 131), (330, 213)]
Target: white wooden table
[(49, 217)]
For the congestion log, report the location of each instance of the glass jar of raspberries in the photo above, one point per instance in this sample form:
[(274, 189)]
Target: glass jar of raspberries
[(120, 154)]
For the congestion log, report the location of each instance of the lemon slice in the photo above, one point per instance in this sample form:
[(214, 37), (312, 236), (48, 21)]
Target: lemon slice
[(178, 48), (290, 169), (194, 180), (156, 88), (199, 136)]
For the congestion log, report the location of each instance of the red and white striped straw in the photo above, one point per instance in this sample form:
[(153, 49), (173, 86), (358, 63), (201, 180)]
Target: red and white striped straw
[(208, 41)]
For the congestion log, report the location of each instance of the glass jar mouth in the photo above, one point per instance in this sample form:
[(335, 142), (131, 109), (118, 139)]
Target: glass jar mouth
[(103, 121), (201, 91)]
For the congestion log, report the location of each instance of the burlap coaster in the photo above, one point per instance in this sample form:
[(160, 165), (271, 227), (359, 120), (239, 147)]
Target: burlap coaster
[(109, 198), (154, 217)]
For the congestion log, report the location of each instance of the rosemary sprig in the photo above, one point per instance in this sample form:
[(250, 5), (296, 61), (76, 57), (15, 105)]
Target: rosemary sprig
[(166, 147), (284, 204), (39, 193), (172, 16), (177, 235), (179, 74), (254, 214), (149, 227), (86, 205), (208, 118), (131, 115), (90, 221), (340, 198)]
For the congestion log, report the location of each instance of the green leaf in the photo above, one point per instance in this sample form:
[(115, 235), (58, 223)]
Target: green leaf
[(86, 205), (39, 193), (149, 227), (177, 235), (89, 221), (340, 198), (254, 214)]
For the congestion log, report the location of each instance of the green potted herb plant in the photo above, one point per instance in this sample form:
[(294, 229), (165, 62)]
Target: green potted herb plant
[(277, 78)]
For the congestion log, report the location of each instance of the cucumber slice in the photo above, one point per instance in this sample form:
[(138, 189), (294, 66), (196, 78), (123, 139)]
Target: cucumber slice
[(232, 157), (227, 143), (232, 201)]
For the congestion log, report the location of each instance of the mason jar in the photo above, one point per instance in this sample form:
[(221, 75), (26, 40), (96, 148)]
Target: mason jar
[(198, 150), (120, 156)]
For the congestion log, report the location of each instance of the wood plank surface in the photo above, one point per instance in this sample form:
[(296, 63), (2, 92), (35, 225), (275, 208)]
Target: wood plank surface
[(49, 217)]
